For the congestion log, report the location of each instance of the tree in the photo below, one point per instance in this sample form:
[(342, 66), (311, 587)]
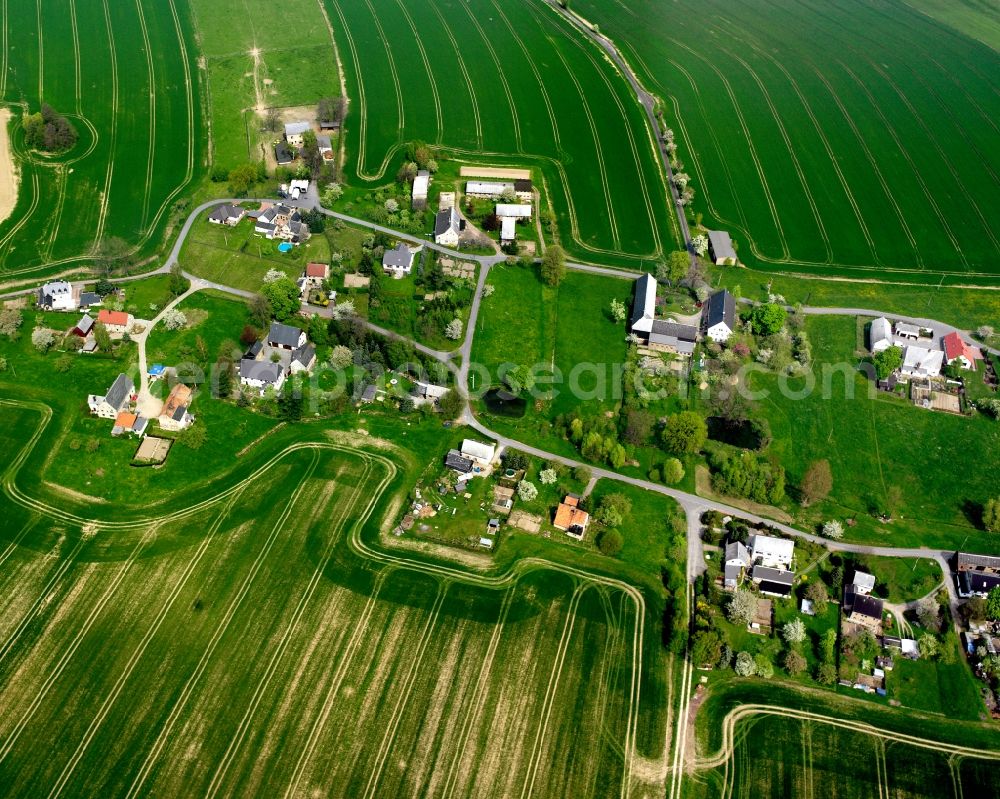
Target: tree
[(991, 515), (453, 329), (330, 110), (816, 483), (706, 648), (10, 321), (993, 604), (49, 131), (928, 646), (343, 310), (341, 357), (826, 674), (283, 296), (767, 319), (330, 194), (613, 510), (618, 311), (974, 609), (582, 474), (929, 613), (174, 319), (42, 339), (102, 337), (311, 155), (817, 594), (248, 335), (887, 361), (763, 667), (526, 491), (177, 284), (675, 267), (984, 332), (673, 471), (553, 265), (794, 632), (742, 607), (548, 476), (407, 172), (794, 662), (104, 287), (450, 403), (638, 426), (684, 433), (610, 542), (490, 223), (520, 379), (259, 307), (745, 666), (833, 529), (242, 179)]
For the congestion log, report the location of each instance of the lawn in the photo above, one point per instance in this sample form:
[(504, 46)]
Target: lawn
[(554, 104), (806, 126), (884, 452), (139, 122), (262, 618)]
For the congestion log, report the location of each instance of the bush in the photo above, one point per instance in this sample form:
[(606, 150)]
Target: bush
[(526, 491), (794, 662), (745, 666), (826, 674), (763, 667), (684, 433), (610, 542), (42, 339), (673, 471), (10, 321)]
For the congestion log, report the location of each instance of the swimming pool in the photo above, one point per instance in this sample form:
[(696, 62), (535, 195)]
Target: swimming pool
[(285, 246)]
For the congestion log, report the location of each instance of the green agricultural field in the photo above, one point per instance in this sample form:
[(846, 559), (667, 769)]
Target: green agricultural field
[(250, 635), (125, 74), (506, 84), (258, 58), (833, 138), (884, 451)]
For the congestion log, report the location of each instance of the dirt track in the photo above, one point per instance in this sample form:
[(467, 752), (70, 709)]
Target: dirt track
[(494, 172)]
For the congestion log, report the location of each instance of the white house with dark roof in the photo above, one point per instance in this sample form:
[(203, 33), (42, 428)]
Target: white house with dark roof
[(399, 260), (303, 359), (295, 133), (227, 214), (737, 561), (720, 248), (863, 582), (57, 295), (261, 374), (116, 398), (285, 337), (282, 222), (718, 317), (447, 227), (658, 334)]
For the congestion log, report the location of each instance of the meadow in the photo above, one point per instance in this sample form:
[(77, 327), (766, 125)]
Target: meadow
[(840, 138), (125, 74), (523, 89)]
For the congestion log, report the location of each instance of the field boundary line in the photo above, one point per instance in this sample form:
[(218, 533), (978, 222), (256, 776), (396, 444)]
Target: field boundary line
[(479, 693), (13, 545), (74, 644), (430, 73), (140, 650), (3, 44), (77, 84), (41, 52), (391, 61), (362, 111), (683, 711), (24, 219), (555, 673), (403, 694), (464, 70), (60, 180), (113, 150), (278, 652), (161, 739)]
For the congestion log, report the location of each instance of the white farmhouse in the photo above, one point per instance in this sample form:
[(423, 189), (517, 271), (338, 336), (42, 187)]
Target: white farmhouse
[(295, 133), (57, 296), (447, 226), (880, 335), (515, 210), (771, 552), (478, 452), (718, 317), (922, 362)]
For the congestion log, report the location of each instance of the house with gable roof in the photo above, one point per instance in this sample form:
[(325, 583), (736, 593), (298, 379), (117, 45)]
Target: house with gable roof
[(718, 317), (115, 400)]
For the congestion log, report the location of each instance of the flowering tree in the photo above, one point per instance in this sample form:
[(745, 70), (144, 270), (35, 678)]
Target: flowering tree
[(174, 319), (453, 329), (700, 245), (833, 529), (343, 310), (548, 476), (42, 339), (341, 357), (391, 206), (274, 275), (618, 310), (526, 491)]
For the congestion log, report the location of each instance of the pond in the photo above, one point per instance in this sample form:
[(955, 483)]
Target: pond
[(503, 403)]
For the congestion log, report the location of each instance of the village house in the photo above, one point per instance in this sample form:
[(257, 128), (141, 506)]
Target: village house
[(285, 351), (770, 552), (571, 518), (398, 261), (737, 561), (283, 154), (658, 334), (503, 499), (295, 133), (116, 322), (114, 401), (481, 454), (261, 375), (282, 222), (421, 185), (458, 462), (174, 414), (447, 227), (227, 214), (863, 610), (486, 189), (424, 393), (84, 327), (132, 423), (285, 337), (863, 582), (907, 332), (508, 229), (976, 575), (325, 147), (773, 582), (315, 274), (880, 335), (720, 248), (956, 350), (88, 299), (513, 211), (57, 295), (921, 362), (718, 317)]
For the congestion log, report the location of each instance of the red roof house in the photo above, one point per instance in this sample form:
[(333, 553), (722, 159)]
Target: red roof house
[(956, 349), (321, 271), (114, 319)]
